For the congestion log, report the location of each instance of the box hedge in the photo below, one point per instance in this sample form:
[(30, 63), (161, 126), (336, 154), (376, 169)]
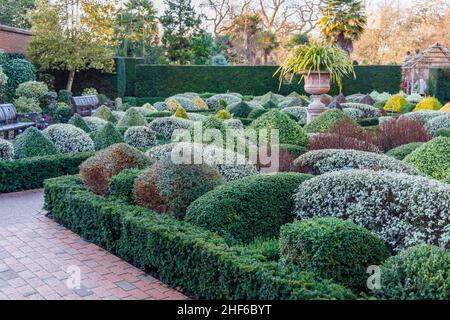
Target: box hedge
[(30, 173), (182, 254)]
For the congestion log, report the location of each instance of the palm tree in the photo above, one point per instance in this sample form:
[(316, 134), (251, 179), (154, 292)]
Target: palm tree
[(343, 22)]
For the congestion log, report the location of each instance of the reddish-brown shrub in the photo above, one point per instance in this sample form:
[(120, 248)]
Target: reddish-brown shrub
[(344, 135), (397, 132), (96, 171), (287, 153)]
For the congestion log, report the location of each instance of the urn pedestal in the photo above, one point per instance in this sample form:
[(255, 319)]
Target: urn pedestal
[(316, 83)]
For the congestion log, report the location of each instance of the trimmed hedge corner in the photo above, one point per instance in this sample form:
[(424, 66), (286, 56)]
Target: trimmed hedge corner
[(30, 173), (182, 254)]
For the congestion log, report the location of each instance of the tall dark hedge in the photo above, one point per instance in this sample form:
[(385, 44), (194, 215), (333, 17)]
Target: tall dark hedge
[(439, 84), (164, 81)]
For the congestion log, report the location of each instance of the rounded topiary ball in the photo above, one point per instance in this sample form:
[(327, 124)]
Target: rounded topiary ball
[(325, 120), (167, 187), (332, 248), (417, 273), (6, 150), (32, 143), (68, 138), (140, 137)]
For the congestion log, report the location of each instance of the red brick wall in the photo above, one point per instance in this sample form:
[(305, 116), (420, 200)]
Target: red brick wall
[(14, 39)]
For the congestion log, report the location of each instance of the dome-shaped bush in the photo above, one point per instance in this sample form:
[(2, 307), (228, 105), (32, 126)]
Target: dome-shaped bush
[(199, 103), (402, 151), (223, 115), (249, 208), (325, 120), (6, 150), (429, 103), (289, 131), (140, 137), (147, 106), (96, 171), (103, 112), (166, 126), (299, 113), (214, 101), (132, 118), (94, 123), (181, 113), (327, 160), (440, 122), (443, 133), (368, 110), (106, 136), (403, 210), (173, 103), (333, 249), (239, 109), (195, 116), (353, 113), (167, 187), (432, 158), (32, 143), (79, 122), (257, 112), (445, 108), (418, 273), (234, 124), (414, 98), (423, 116), (68, 138), (395, 103), (31, 89)]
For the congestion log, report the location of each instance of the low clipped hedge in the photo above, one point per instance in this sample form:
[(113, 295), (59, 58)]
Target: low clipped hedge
[(402, 151), (332, 248), (181, 254), (30, 173), (122, 184), (245, 209)]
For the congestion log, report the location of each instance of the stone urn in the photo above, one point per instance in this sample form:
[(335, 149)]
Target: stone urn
[(316, 83)]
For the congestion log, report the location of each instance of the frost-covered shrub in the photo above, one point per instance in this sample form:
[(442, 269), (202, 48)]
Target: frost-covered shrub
[(231, 165), (214, 101), (243, 210), (68, 138), (354, 113), (299, 113), (106, 136), (418, 273), (33, 143), (292, 102), (402, 151), (325, 120), (289, 131), (31, 89), (404, 210), (160, 106), (78, 121), (97, 171), (384, 119), (95, 123), (414, 98), (385, 96), (234, 124), (368, 110), (432, 158), (118, 114), (440, 122), (27, 105), (103, 112), (132, 118), (6, 150), (423, 116), (323, 161), (167, 187), (333, 249), (176, 101), (140, 137), (196, 116), (166, 126)]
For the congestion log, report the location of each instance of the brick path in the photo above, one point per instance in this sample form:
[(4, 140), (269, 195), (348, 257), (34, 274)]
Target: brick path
[(36, 252)]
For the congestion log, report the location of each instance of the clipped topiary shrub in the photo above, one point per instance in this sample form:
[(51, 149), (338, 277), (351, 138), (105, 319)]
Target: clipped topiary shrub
[(106, 136), (432, 158), (170, 188), (122, 184), (223, 115), (32, 143), (140, 137), (132, 118), (429, 103), (256, 113), (68, 138), (246, 209), (353, 113), (103, 112), (443, 133), (94, 123), (402, 151), (79, 122), (299, 113), (166, 126), (445, 108), (63, 113), (97, 171), (417, 273), (31, 89), (27, 105), (325, 120), (403, 210), (64, 96), (333, 249), (289, 131), (367, 110), (322, 161), (239, 109), (440, 122), (214, 101), (6, 150), (395, 104), (181, 113)]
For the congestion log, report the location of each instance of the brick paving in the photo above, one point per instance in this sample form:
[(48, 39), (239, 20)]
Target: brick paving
[(40, 260)]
